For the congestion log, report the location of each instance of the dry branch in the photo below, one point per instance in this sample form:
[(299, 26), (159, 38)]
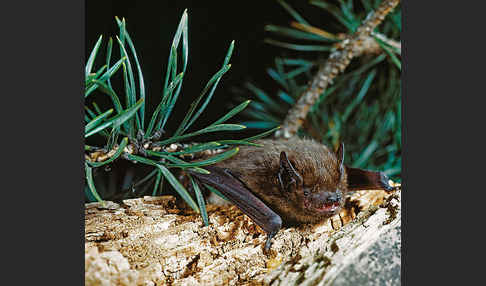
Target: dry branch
[(352, 46)]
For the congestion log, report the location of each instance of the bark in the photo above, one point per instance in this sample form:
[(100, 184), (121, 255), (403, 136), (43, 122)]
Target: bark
[(151, 241)]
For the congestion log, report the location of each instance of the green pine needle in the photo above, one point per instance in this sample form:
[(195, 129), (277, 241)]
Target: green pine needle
[(116, 121), (89, 179), (209, 129), (292, 12), (92, 56), (300, 48), (97, 120), (218, 193), (200, 201), (157, 183), (115, 156), (212, 160)]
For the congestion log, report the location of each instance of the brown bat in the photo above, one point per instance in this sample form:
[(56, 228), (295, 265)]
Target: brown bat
[(290, 182)]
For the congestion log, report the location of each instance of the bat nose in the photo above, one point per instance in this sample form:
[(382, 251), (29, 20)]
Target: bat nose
[(333, 197)]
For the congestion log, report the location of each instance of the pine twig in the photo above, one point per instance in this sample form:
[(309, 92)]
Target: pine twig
[(102, 155), (390, 42), (352, 46)]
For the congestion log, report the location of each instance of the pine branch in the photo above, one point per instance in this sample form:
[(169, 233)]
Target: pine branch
[(150, 146), (352, 46)]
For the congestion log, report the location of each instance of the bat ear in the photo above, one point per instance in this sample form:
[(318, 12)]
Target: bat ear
[(287, 175), (340, 156)]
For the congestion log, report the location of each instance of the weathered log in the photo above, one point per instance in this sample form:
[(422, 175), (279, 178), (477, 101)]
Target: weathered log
[(150, 241)]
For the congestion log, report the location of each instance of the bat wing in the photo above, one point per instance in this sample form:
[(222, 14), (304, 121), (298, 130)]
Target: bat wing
[(359, 179), (243, 198)]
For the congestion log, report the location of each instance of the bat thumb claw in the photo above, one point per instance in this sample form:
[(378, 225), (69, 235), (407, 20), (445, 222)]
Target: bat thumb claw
[(268, 243)]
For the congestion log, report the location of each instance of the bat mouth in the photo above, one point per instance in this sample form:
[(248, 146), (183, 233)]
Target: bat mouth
[(328, 207), (323, 203)]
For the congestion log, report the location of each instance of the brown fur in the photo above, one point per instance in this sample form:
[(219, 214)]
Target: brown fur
[(257, 168)]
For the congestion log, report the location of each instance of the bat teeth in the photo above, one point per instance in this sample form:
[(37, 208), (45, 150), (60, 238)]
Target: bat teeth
[(330, 204), (328, 207)]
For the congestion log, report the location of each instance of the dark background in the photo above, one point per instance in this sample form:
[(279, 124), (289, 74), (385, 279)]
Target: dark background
[(212, 25)]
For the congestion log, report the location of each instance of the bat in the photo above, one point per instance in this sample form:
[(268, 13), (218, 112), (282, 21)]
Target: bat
[(288, 182)]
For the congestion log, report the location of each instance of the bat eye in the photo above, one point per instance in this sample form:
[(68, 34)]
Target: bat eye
[(306, 192)]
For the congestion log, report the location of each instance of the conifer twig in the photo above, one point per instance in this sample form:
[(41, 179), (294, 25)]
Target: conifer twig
[(352, 46), (390, 42)]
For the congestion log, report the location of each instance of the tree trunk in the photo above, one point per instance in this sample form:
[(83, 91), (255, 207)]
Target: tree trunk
[(150, 241)]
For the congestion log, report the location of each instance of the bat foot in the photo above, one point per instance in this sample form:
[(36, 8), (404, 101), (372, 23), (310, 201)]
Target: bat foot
[(384, 183)]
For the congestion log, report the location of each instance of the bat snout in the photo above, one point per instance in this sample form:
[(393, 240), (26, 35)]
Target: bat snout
[(327, 202)]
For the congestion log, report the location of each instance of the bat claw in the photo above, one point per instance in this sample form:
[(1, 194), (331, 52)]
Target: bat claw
[(384, 182), (268, 243), (275, 224)]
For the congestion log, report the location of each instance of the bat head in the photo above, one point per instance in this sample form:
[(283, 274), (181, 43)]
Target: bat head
[(319, 190)]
